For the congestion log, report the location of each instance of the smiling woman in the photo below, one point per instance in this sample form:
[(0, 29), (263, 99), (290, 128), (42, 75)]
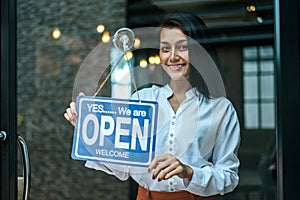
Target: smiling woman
[(197, 134)]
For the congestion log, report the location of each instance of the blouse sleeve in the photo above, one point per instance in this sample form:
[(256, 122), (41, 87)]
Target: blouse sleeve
[(222, 175)]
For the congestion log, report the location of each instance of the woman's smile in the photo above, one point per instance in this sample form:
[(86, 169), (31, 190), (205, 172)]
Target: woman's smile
[(176, 67)]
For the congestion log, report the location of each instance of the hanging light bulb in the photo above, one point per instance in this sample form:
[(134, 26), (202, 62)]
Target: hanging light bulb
[(137, 42), (151, 60), (56, 34), (260, 20), (251, 8), (100, 28), (128, 55), (156, 60), (105, 37), (143, 63)]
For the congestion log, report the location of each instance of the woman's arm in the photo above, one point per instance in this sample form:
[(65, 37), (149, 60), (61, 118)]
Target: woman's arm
[(222, 175)]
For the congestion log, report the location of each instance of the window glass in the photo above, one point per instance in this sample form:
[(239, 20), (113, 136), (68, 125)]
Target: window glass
[(250, 87), (267, 116), (266, 52), (250, 66), (251, 113), (267, 87), (250, 52), (267, 65), (258, 86)]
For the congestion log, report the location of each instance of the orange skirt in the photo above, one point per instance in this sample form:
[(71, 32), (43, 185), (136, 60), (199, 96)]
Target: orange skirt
[(144, 194)]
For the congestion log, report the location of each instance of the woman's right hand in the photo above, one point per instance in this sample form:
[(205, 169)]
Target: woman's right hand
[(71, 113)]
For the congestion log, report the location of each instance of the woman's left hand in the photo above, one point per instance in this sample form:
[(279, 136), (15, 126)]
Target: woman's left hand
[(167, 166)]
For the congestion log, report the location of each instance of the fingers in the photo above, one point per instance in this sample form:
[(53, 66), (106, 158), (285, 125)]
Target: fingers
[(71, 113), (172, 170), (168, 172), (73, 109), (71, 120), (157, 160), (165, 167)]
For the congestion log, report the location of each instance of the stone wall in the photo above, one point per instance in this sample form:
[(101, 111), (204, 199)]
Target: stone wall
[(46, 73)]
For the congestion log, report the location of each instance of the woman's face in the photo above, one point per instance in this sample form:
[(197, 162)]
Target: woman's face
[(174, 53)]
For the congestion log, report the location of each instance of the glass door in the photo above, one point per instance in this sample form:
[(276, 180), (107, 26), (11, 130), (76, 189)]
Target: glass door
[(43, 45)]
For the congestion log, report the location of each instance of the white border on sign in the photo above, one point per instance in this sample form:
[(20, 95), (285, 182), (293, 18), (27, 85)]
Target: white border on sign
[(112, 100)]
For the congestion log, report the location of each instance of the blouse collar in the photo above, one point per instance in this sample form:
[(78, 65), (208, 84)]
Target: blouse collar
[(189, 94)]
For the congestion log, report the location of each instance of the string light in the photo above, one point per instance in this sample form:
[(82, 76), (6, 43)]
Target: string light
[(105, 37), (56, 34), (143, 63), (137, 43), (154, 60), (260, 20), (151, 60), (128, 55), (251, 8), (100, 28)]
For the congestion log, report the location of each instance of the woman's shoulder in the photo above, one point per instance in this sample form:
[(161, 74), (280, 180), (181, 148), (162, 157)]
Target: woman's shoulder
[(222, 101)]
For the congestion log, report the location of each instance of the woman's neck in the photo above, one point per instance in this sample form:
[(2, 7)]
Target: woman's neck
[(180, 87)]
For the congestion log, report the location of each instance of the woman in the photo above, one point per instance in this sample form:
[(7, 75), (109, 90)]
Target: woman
[(197, 136)]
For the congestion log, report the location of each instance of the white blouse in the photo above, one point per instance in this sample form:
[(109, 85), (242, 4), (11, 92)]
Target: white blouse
[(203, 133)]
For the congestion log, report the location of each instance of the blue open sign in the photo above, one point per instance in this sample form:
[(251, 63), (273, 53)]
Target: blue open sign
[(115, 130)]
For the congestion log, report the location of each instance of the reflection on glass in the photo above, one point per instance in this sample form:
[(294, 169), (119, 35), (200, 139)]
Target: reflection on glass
[(120, 77)]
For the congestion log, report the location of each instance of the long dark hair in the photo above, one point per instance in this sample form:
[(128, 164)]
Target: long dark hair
[(195, 28)]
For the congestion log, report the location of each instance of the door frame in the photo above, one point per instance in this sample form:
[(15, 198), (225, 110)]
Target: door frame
[(8, 105), (287, 45)]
